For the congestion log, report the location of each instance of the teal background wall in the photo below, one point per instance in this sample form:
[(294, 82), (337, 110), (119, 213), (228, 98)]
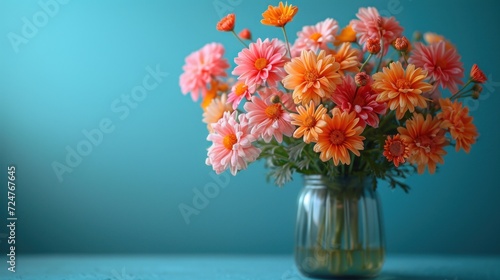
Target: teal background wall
[(76, 71)]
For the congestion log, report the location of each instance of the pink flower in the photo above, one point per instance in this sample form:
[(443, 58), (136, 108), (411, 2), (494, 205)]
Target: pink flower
[(316, 37), (363, 102), (270, 119), (442, 65), (371, 25), (201, 68), (231, 144), (238, 92), (262, 62)]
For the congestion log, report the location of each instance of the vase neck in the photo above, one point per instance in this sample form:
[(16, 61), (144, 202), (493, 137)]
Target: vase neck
[(348, 182)]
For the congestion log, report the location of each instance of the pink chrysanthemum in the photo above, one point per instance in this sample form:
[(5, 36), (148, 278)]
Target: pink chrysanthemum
[(442, 65), (201, 68), (238, 92), (363, 102), (316, 37), (231, 144), (262, 62), (270, 119), (371, 25)]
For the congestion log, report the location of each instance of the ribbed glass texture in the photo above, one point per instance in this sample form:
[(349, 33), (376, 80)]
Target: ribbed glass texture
[(339, 231)]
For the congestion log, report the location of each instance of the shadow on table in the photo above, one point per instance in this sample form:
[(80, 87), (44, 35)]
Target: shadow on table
[(400, 276)]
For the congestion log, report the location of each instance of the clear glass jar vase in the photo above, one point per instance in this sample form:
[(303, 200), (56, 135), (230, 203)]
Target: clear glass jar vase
[(339, 229)]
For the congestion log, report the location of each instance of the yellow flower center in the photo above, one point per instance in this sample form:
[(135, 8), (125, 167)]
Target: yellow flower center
[(403, 84), (309, 121), (260, 63), (337, 137), (315, 36), (229, 140), (273, 111), (310, 76), (396, 148), (240, 89)]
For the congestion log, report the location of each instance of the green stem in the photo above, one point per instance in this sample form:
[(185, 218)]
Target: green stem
[(403, 54), (286, 42), (366, 61), (239, 39), (459, 93), (339, 222)]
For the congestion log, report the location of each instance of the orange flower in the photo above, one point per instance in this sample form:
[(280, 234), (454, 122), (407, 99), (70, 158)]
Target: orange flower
[(346, 35), (226, 23), (432, 38), (309, 120), (312, 77), (339, 135), (215, 110), (396, 150), (401, 90), (279, 16), (477, 75), (455, 118), (347, 57), (426, 141), (211, 94)]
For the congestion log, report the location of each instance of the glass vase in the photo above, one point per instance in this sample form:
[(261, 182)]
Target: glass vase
[(339, 229)]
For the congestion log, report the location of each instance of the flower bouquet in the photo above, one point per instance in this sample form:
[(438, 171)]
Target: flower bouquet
[(361, 101), (335, 104)]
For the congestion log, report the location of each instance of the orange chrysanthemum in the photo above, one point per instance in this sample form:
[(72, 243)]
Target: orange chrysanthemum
[(211, 94), (226, 24), (396, 150), (279, 16), (402, 90), (426, 141), (433, 38), (309, 120), (477, 75), (346, 35), (215, 110), (455, 118), (347, 57), (340, 134), (312, 77)]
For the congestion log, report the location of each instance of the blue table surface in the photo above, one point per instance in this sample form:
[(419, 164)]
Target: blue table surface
[(239, 267)]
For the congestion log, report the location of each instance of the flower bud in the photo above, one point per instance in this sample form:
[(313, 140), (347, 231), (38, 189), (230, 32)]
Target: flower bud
[(245, 34), (417, 36), (477, 75), (361, 79), (275, 99), (401, 44), (476, 91), (226, 24), (373, 45)]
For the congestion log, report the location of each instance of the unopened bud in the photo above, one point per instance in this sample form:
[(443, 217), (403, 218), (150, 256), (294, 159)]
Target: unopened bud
[(275, 99), (476, 90), (245, 34), (373, 45), (401, 44), (417, 36), (361, 79)]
